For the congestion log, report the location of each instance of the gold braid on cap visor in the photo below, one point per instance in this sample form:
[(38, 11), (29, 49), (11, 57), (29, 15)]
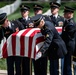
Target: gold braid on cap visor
[(38, 20), (3, 18)]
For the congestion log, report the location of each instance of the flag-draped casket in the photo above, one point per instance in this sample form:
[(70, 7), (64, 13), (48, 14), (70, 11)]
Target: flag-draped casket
[(25, 43)]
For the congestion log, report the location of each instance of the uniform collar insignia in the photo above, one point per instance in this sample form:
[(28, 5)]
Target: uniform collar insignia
[(12, 24), (58, 16)]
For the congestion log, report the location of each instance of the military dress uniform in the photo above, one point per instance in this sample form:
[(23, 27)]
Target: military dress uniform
[(24, 21), (53, 47), (68, 35), (40, 65), (26, 62), (69, 39), (14, 26), (58, 21)]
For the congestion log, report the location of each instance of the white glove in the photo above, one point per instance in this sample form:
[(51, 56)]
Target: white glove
[(38, 55)]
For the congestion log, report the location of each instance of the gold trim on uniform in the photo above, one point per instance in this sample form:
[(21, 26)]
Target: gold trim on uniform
[(74, 56), (22, 6), (54, 4), (47, 35), (38, 20)]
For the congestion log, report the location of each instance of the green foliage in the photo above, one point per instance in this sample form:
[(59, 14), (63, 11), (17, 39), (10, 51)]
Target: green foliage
[(17, 14), (2, 4), (2, 64)]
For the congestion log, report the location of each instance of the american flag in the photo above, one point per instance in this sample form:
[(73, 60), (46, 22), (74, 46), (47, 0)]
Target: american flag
[(26, 43), (59, 29)]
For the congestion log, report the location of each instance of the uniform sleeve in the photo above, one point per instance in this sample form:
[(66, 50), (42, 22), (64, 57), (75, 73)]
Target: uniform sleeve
[(1, 35), (20, 25), (48, 39), (70, 29)]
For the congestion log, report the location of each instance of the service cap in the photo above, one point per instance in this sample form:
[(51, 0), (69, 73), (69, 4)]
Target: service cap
[(37, 7), (24, 8), (54, 5), (36, 19), (68, 9), (3, 17)]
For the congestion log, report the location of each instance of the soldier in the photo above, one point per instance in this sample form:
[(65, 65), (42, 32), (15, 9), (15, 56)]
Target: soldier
[(25, 15), (55, 17), (38, 9), (53, 47), (26, 62), (58, 21), (68, 35), (42, 62), (6, 29)]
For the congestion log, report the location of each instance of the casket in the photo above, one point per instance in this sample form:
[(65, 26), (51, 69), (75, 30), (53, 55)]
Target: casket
[(25, 43)]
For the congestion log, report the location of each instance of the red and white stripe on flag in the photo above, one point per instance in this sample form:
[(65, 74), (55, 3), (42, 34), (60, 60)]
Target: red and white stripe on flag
[(59, 29), (24, 43)]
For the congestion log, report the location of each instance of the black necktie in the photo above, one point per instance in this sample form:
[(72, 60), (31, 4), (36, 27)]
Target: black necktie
[(54, 18)]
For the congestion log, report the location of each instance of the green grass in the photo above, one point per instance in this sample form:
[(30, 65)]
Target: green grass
[(3, 64)]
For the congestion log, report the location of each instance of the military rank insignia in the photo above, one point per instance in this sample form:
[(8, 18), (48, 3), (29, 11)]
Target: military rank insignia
[(47, 35), (22, 6), (64, 29), (60, 23)]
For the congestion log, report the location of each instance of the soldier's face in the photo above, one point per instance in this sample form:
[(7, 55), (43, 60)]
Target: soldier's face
[(25, 13), (54, 10), (6, 23), (38, 12), (68, 15), (41, 24)]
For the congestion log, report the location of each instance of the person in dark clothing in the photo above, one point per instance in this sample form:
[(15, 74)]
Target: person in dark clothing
[(58, 21), (53, 46), (25, 19), (25, 15), (42, 62), (6, 29), (38, 9), (68, 35), (55, 17)]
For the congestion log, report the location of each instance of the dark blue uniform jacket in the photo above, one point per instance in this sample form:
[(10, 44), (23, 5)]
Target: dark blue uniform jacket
[(53, 46)]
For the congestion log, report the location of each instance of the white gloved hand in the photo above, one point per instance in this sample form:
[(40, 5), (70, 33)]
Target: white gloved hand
[(38, 55)]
